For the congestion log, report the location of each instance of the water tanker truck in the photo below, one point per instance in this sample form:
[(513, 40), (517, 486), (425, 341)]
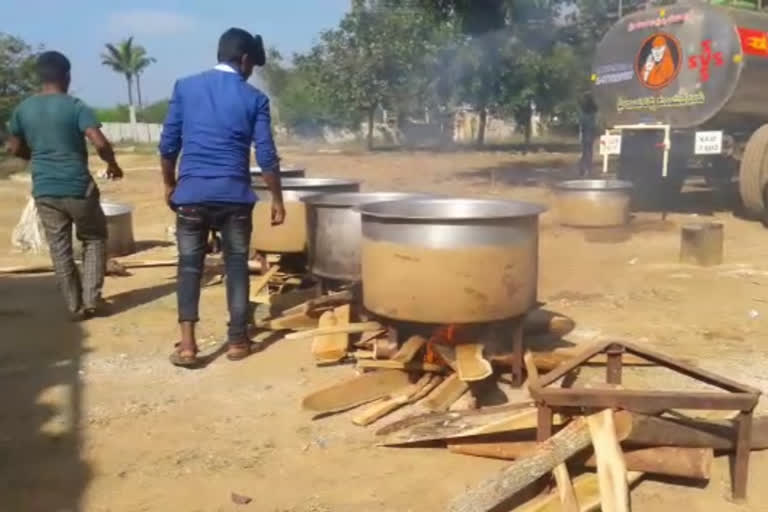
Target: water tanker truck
[(683, 90)]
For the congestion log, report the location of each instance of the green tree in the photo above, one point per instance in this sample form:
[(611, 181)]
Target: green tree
[(17, 74), (141, 62), (369, 60)]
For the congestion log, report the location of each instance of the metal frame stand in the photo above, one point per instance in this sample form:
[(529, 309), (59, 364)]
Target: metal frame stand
[(738, 397)]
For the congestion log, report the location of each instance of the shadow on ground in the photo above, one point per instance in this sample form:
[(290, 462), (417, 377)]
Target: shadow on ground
[(41, 463)]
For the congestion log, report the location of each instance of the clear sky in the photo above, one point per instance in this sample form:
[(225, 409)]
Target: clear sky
[(180, 34)]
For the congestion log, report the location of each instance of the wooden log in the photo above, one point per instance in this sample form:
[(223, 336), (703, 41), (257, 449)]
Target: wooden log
[(694, 463), (399, 398), (346, 329), (330, 348), (521, 473), (693, 432), (333, 299), (702, 244), (445, 394), (470, 363), (409, 349), (356, 391), (587, 492), (541, 321), (262, 281), (611, 469)]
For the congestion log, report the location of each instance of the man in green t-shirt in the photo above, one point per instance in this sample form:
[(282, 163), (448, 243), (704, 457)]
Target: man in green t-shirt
[(49, 130)]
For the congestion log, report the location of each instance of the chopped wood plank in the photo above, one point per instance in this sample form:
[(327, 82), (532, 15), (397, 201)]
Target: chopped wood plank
[(611, 469), (363, 354), (587, 492), (492, 492), (343, 329), (693, 432), (455, 425), (409, 349), (399, 398), (470, 363), (568, 500), (260, 282), (433, 383), (329, 348), (368, 339), (694, 463), (356, 391), (504, 450), (397, 365), (445, 394)]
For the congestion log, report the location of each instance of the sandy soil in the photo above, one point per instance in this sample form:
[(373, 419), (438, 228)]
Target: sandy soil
[(93, 418)]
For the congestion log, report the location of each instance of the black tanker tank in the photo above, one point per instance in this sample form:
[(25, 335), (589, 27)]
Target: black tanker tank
[(685, 65)]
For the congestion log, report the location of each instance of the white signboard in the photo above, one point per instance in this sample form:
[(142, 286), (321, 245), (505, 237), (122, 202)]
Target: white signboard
[(610, 144), (709, 143)]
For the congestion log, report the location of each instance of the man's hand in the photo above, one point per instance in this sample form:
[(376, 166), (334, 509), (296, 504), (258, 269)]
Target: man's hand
[(278, 213), (169, 189), (114, 172)]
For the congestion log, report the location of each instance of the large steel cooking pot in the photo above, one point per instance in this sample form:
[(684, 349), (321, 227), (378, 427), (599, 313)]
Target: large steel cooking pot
[(334, 231), (450, 260), (291, 236), (120, 240), (593, 203)]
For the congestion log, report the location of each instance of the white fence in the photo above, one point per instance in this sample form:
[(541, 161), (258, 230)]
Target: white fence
[(123, 132)]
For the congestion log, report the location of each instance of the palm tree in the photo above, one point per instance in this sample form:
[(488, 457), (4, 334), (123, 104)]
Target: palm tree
[(129, 60), (141, 62)]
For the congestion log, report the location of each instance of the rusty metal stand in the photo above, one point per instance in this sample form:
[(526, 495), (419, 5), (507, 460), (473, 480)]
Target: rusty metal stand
[(518, 352), (738, 397)]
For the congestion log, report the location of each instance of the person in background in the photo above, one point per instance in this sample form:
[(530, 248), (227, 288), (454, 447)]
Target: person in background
[(49, 130), (213, 119), (588, 129)]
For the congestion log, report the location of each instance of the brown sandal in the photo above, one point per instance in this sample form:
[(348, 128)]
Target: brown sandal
[(184, 358), (239, 351)]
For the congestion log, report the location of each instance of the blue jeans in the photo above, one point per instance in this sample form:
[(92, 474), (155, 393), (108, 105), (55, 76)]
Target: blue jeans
[(193, 224)]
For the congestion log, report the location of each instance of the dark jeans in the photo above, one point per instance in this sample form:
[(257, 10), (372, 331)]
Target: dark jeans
[(58, 214), (193, 224)]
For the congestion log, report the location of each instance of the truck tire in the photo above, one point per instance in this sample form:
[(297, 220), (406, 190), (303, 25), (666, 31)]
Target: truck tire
[(753, 172)]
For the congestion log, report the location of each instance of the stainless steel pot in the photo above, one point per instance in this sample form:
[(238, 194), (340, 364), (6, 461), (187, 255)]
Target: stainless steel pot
[(287, 172), (120, 240), (450, 260), (291, 236), (593, 203), (334, 231)]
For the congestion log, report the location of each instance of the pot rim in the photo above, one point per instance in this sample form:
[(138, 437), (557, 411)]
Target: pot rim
[(594, 185), (309, 183), (355, 200), (459, 209)]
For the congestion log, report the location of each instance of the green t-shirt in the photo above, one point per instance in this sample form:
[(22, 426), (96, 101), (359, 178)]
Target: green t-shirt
[(53, 126)]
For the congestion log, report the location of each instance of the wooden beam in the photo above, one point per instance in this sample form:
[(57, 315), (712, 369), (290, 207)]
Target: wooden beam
[(470, 363), (445, 394), (611, 469), (349, 329), (568, 500), (397, 365), (332, 299), (587, 492), (260, 282), (330, 348), (409, 349), (399, 398)]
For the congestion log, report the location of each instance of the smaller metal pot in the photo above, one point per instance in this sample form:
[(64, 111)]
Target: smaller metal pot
[(120, 241), (593, 203), (291, 236), (334, 231)]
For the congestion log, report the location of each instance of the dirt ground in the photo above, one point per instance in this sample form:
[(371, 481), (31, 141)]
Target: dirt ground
[(93, 417)]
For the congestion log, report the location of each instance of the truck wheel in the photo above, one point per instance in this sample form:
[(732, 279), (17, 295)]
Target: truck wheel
[(753, 172)]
